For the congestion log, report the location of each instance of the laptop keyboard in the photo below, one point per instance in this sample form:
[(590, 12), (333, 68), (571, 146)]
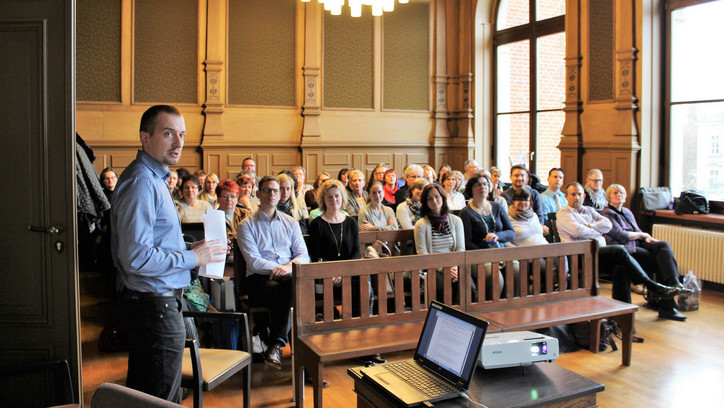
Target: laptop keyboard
[(420, 379)]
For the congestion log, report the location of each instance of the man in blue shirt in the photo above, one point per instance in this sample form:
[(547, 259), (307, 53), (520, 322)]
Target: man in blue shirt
[(270, 241), (553, 199), (152, 259)]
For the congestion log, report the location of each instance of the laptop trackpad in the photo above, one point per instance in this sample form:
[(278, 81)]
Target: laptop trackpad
[(395, 385)]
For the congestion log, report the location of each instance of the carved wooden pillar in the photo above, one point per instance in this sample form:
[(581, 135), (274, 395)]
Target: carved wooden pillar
[(312, 61), (441, 114), (571, 145), (214, 68)]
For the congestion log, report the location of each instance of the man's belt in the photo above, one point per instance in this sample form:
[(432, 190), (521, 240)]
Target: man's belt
[(177, 293)]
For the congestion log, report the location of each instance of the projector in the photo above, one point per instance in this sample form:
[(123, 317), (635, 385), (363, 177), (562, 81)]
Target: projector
[(512, 349)]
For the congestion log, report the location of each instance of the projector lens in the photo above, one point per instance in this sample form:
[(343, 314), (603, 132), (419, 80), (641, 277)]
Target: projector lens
[(539, 349)]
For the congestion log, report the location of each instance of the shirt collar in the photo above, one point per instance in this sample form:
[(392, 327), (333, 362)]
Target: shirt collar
[(157, 168), (261, 215)]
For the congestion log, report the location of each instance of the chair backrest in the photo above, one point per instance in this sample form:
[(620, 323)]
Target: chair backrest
[(239, 272), (110, 395)]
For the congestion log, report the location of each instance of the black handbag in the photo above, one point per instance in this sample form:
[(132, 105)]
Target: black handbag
[(692, 202), (656, 198)]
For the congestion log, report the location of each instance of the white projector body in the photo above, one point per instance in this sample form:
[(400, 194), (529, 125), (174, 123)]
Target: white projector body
[(511, 349)]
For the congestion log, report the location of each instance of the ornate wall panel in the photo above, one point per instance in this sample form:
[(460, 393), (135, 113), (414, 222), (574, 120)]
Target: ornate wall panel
[(348, 61), (406, 45), (166, 51), (98, 50), (261, 52), (601, 57)]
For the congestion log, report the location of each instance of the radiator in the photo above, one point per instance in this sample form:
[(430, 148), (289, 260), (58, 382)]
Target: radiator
[(698, 250)]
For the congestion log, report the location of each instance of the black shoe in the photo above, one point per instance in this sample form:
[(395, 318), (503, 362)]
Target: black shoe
[(373, 359), (310, 382), (273, 356), (665, 292), (672, 314)]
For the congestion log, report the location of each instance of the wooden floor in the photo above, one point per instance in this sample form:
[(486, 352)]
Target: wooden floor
[(679, 364)]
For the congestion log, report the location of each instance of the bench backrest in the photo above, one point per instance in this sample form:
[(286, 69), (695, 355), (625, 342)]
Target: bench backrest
[(389, 238), (547, 272), (315, 313)]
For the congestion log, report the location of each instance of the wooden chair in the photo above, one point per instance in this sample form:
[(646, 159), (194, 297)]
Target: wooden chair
[(204, 369)]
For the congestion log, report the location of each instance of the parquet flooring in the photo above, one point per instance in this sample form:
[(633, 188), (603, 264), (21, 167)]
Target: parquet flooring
[(679, 364)]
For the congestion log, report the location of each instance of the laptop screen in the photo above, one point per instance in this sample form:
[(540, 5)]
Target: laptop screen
[(450, 343)]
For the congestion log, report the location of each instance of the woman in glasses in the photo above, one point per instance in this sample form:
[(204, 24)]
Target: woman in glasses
[(190, 207)]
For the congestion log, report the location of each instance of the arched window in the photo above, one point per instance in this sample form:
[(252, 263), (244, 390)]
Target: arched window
[(694, 100), (530, 50)]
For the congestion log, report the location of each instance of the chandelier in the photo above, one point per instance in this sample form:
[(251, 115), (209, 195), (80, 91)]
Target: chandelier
[(378, 6)]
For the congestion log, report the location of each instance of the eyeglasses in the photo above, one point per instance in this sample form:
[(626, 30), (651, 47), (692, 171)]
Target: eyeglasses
[(596, 180), (270, 190), (228, 196), (191, 187)]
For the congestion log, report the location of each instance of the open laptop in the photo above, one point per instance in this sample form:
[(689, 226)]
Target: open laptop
[(444, 360)]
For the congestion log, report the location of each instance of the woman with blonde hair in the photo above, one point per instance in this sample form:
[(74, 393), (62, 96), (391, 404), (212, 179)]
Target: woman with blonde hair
[(455, 200), (358, 196), (209, 193), (459, 178), (428, 173), (288, 203)]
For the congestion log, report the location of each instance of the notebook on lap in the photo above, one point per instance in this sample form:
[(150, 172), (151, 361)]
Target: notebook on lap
[(444, 360)]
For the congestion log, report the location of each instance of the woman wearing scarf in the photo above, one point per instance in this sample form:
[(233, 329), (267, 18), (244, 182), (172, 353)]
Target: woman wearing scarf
[(408, 212), (288, 203), (438, 231), (526, 224), (485, 223), (390, 186)]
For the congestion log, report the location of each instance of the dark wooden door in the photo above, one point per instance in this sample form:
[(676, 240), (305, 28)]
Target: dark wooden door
[(38, 274)]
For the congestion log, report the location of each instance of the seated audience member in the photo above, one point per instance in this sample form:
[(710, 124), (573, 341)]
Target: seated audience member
[(334, 236), (553, 198), (357, 197), (342, 177), (310, 197), (455, 200), (247, 186), (390, 187), (519, 176), (494, 195), (376, 216), (412, 172), (173, 182), (471, 168), (288, 203), (109, 178), (302, 188), (595, 194), (527, 227), (209, 193), (379, 173), (248, 164), (445, 168), (485, 223), (201, 176), (227, 193), (498, 185), (270, 241), (439, 231), (460, 181), (408, 212), (190, 208), (578, 222), (655, 257), (428, 173)]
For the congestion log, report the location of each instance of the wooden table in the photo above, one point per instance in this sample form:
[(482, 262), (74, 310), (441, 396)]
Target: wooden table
[(542, 385)]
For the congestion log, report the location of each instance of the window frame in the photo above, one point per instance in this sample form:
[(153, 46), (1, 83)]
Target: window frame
[(716, 206), (531, 31)]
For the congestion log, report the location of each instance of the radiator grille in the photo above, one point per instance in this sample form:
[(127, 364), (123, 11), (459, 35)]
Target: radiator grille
[(698, 250)]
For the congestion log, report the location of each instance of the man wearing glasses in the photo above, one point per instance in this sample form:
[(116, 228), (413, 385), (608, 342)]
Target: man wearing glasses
[(270, 241), (595, 193)]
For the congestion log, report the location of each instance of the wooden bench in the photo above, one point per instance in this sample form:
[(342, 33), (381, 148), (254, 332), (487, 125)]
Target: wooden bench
[(541, 302)]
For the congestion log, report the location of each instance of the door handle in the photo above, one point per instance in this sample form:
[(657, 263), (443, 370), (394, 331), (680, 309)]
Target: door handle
[(54, 229)]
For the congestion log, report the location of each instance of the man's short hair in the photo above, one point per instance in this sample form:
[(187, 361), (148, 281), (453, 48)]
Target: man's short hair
[(594, 171), (556, 169), (573, 183), (268, 179), (149, 117), (519, 167)]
